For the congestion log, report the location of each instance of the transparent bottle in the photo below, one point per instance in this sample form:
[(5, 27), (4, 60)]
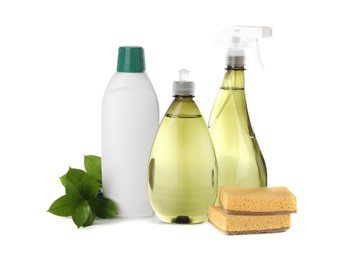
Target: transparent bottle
[(240, 161), (183, 167)]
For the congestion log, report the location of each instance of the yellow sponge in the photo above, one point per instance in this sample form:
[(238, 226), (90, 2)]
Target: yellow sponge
[(257, 201), (248, 224)]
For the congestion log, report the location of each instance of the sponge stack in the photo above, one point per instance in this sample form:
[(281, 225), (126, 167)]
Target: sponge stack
[(253, 210)]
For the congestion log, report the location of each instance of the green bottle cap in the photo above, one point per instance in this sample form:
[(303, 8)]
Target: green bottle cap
[(131, 59)]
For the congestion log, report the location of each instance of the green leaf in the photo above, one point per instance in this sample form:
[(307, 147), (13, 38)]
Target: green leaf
[(62, 206), (80, 213), (91, 219), (88, 188), (63, 180), (104, 208), (93, 166), (72, 192), (75, 175)]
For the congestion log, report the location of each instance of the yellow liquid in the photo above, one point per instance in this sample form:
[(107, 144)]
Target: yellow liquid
[(240, 161), (183, 167)]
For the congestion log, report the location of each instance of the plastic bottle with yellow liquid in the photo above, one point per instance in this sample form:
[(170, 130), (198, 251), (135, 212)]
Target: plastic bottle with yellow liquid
[(240, 161), (183, 167)]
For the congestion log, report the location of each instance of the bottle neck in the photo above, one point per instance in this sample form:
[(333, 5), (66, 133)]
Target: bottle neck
[(234, 78), (183, 98), (184, 107)]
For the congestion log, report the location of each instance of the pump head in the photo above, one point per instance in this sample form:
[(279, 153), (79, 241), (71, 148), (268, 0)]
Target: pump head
[(238, 39), (183, 87)]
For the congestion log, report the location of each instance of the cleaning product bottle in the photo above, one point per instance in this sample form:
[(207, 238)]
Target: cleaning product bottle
[(240, 161), (130, 119), (183, 166)]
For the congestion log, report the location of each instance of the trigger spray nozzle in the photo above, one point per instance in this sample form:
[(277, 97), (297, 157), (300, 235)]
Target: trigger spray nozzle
[(238, 39), (183, 87)]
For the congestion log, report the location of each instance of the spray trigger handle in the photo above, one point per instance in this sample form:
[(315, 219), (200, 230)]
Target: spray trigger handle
[(256, 50)]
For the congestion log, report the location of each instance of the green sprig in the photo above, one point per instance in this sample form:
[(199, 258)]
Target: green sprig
[(83, 200)]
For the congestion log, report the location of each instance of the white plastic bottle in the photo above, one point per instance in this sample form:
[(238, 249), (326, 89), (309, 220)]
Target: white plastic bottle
[(130, 119)]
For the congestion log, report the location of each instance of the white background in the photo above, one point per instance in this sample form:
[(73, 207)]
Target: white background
[(56, 58)]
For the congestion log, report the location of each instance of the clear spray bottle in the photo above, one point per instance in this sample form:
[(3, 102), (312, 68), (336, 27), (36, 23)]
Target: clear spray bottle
[(240, 161)]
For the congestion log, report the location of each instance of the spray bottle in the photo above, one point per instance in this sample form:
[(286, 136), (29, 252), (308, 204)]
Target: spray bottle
[(183, 166), (240, 161)]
